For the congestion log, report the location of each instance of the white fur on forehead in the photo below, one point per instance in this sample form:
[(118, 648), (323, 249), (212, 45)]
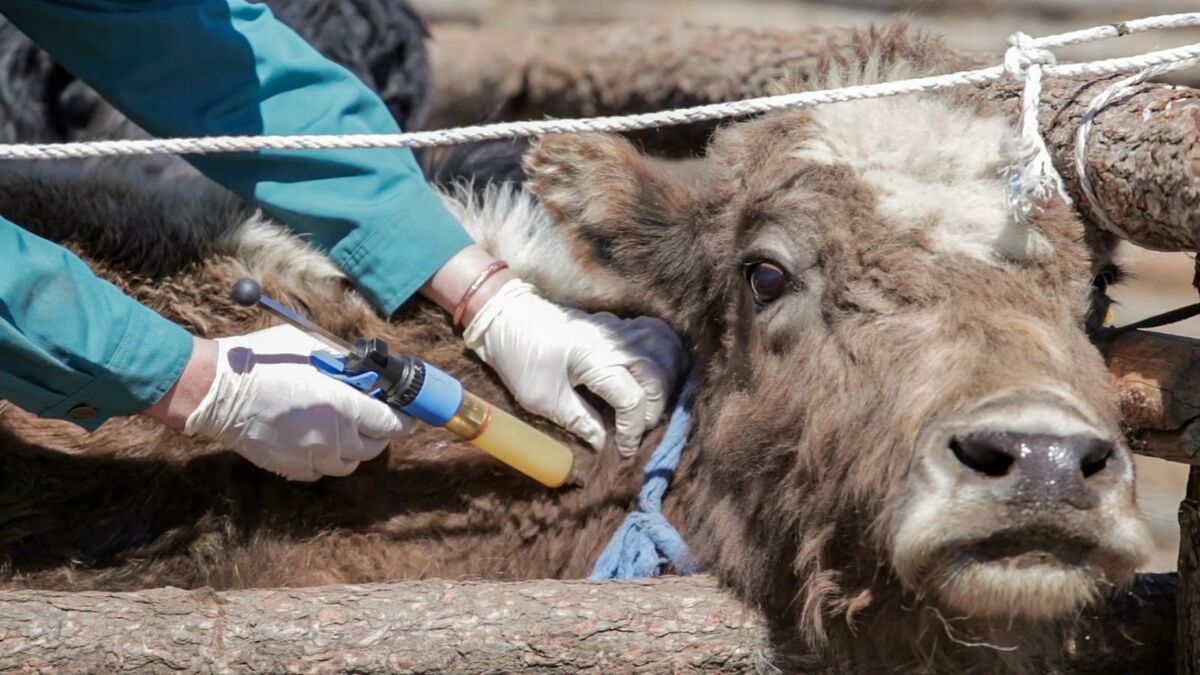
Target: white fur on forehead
[(934, 166)]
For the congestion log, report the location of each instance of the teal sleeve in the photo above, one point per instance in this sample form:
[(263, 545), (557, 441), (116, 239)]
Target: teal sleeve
[(73, 346), (228, 67)]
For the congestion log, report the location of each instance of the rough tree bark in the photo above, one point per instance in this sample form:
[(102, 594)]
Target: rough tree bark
[(1142, 157), (668, 625), (665, 625), (1143, 154), (1047, 7), (1159, 376)]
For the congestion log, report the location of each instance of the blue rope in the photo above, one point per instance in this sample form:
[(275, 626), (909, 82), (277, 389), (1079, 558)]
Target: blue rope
[(645, 543)]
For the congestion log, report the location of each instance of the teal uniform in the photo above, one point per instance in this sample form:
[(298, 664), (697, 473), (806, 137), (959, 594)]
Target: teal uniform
[(72, 342)]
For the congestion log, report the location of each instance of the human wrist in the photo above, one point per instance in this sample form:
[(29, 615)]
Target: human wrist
[(448, 287), (185, 395)]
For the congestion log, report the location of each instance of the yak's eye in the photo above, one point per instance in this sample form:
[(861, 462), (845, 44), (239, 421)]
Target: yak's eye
[(767, 280)]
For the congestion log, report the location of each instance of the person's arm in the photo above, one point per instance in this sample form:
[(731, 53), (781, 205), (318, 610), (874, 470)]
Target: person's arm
[(73, 346), (228, 67)]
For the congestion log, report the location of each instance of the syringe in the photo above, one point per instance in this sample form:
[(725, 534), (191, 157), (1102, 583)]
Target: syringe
[(429, 394)]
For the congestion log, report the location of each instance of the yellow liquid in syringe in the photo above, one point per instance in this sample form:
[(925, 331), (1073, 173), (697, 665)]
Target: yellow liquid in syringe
[(514, 442)]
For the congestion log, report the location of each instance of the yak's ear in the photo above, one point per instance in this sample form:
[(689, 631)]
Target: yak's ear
[(627, 221)]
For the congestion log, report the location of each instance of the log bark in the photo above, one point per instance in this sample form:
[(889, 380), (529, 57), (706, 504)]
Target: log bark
[(1036, 17), (667, 625), (1055, 8), (1159, 378), (1143, 154), (1142, 157), (524, 72)]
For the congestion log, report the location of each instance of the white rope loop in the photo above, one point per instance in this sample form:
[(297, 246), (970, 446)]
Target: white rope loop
[(1024, 53), (1111, 94), (1032, 177)]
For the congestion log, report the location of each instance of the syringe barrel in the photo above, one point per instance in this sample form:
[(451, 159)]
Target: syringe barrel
[(438, 399), (513, 442)]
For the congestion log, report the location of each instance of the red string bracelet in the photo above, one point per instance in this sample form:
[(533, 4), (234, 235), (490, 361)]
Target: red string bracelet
[(461, 307)]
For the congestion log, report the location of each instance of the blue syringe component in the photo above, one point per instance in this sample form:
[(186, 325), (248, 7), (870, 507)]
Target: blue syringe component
[(334, 365), (418, 388)]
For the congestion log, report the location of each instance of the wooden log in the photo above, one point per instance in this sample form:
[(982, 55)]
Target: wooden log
[(1143, 155), (666, 625), (1159, 377), (1054, 8), (965, 26), (523, 72)]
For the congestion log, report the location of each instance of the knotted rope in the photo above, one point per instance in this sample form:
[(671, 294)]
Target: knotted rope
[(1032, 176), (646, 543)]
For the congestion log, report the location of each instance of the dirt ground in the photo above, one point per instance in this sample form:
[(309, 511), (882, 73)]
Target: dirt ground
[(1159, 281)]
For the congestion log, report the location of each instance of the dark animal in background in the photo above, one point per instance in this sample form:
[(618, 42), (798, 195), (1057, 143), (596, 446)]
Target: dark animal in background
[(381, 41)]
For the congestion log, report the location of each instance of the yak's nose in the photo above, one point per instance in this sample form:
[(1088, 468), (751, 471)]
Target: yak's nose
[(1036, 467)]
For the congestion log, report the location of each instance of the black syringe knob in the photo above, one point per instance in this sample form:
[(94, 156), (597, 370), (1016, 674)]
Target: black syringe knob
[(246, 292)]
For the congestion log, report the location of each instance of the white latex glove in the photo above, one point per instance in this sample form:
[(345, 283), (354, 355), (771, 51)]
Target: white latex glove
[(274, 408), (541, 351)]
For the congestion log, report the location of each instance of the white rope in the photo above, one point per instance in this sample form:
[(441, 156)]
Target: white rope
[(1028, 59), (1031, 174)]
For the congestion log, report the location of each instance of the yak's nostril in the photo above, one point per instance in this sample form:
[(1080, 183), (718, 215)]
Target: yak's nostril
[(1038, 468), (1096, 458), (982, 453)]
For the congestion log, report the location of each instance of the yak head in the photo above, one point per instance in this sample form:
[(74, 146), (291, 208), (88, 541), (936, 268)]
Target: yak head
[(899, 405)]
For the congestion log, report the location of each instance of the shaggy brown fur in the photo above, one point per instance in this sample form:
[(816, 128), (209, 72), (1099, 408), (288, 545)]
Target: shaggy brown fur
[(133, 505), (805, 419)]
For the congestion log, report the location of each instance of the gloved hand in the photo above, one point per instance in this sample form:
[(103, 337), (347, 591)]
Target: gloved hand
[(541, 351), (275, 409)]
